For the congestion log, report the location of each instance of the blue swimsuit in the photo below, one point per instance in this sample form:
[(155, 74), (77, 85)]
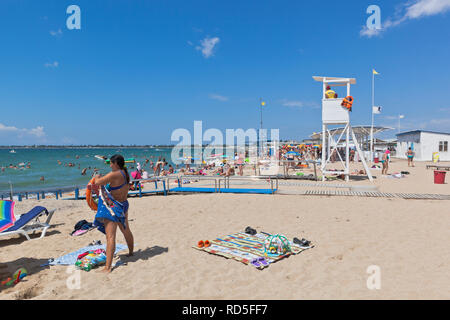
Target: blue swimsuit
[(109, 208)]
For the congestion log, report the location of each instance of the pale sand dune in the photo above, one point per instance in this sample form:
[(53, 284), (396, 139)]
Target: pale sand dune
[(407, 239)]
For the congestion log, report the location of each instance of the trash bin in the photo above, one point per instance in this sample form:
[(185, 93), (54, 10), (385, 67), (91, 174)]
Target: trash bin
[(439, 177), (376, 160)]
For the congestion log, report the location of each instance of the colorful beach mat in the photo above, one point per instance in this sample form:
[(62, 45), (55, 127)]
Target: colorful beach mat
[(244, 248), (71, 258)]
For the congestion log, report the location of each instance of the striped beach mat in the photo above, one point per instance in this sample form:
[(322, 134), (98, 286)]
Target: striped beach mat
[(244, 248)]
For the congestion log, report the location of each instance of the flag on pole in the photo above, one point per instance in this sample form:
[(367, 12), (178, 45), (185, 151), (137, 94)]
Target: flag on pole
[(376, 110), (263, 103), (374, 72), (401, 116)]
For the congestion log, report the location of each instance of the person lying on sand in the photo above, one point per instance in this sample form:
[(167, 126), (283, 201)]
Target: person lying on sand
[(229, 171)]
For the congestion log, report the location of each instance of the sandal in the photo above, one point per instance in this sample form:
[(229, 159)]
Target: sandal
[(250, 231), (200, 244), (263, 261), (301, 243), (207, 243), (255, 263)]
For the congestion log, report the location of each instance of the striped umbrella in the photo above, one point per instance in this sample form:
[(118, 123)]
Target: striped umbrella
[(7, 217)]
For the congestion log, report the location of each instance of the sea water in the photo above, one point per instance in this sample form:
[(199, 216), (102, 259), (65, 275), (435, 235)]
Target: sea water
[(44, 163)]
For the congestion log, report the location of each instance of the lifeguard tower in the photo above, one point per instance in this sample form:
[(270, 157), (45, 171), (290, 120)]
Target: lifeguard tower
[(333, 113)]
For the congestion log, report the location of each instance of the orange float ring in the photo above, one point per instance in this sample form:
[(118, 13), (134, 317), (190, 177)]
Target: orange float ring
[(89, 199)]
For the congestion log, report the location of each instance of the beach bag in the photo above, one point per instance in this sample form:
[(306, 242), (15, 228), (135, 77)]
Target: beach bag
[(91, 259), (276, 245)]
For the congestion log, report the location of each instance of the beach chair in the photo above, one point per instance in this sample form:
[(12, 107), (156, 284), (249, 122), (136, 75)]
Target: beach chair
[(29, 223)]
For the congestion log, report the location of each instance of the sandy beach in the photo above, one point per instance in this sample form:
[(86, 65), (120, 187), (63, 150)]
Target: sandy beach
[(406, 239)]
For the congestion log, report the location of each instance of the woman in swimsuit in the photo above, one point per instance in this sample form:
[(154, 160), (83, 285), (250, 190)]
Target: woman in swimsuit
[(385, 162), (410, 155), (119, 178)]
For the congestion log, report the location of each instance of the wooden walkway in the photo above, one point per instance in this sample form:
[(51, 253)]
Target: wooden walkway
[(368, 194)]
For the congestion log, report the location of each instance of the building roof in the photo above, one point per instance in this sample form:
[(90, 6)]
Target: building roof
[(419, 131), (335, 81), (358, 130)]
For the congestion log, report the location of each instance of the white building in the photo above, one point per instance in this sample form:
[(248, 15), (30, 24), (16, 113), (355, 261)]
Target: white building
[(424, 144)]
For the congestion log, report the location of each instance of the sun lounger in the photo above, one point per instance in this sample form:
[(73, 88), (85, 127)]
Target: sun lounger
[(29, 223)]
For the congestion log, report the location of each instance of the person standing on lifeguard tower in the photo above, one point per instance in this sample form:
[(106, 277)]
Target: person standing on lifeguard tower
[(330, 94)]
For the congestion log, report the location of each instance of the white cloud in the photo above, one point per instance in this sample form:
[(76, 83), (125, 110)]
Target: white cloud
[(54, 64), (409, 11), (293, 104), (369, 33), (36, 132), (207, 46), (68, 140), (218, 97), (427, 8), (389, 117), (56, 33), (440, 122), (4, 128), (298, 104)]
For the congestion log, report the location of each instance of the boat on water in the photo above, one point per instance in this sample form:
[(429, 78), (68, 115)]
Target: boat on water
[(129, 160), (100, 157), (12, 151)]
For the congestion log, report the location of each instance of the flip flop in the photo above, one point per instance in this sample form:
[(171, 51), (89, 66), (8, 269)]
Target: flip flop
[(301, 243), (207, 243), (255, 263), (263, 261), (200, 244), (250, 231)]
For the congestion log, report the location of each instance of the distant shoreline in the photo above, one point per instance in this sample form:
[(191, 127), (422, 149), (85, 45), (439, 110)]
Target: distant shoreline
[(115, 147), (84, 147)]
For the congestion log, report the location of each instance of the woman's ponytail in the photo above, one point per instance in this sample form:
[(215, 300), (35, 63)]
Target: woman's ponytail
[(120, 161), (126, 173)]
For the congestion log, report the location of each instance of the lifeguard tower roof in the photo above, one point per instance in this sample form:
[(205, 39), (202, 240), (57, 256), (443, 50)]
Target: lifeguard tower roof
[(334, 81)]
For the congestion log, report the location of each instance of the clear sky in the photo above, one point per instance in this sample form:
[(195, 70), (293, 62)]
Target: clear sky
[(137, 70)]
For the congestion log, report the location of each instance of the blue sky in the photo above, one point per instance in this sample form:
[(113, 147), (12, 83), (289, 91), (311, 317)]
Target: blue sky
[(137, 70)]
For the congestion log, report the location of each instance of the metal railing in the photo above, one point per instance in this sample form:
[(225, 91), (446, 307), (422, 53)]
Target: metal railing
[(181, 177), (249, 178), (224, 181)]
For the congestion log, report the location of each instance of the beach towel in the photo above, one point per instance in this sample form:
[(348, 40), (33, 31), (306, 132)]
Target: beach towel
[(110, 209), (71, 258), (244, 248)]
